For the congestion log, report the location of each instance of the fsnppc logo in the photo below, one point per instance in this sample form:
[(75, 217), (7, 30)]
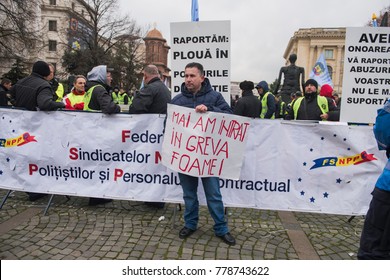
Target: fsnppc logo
[(17, 141), (343, 161)]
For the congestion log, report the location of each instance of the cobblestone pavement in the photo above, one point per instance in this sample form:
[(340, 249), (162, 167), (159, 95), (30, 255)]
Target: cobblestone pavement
[(132, 230)]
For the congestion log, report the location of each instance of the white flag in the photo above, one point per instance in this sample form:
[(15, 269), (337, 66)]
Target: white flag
[(320, 72)]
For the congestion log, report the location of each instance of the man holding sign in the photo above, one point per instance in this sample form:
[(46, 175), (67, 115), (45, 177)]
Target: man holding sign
[(197, 93)]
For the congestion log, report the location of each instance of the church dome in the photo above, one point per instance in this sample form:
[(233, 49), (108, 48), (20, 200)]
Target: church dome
[(154, 33)]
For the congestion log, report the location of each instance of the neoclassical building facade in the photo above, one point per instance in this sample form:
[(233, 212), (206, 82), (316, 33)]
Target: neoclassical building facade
[(309, 43)]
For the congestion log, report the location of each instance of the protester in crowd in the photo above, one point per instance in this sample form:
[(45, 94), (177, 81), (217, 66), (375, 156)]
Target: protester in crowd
[(153, 98), (5, 85), (312, 106), (375, 238), (123, 98), (281, 107), (115, 94), (293, 96), (75, 99), (197, 93), (35, 93), (248, 105), (97, 97), (267, 99), (131, 97), (337, 99), (55, 84), (326, 91)]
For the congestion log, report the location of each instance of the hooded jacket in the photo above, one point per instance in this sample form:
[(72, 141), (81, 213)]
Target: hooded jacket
[(212, 99), (101, 100), (34, 93), (382, 135), (326, 90), (270, 102)]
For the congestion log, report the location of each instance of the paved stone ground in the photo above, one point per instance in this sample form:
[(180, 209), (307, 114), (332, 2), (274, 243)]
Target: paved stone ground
[(131, 230)]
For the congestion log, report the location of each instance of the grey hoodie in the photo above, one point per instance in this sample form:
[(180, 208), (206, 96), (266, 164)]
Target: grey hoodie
[(101, 100), (98, 74)]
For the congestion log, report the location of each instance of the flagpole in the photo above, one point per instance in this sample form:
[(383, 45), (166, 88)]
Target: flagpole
[(194, 11)]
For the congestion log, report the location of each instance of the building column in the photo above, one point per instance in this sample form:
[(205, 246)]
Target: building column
[(338, 69), (310, 62)]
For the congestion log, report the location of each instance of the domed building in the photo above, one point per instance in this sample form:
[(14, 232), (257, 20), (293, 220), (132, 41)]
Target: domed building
[(156, 52)]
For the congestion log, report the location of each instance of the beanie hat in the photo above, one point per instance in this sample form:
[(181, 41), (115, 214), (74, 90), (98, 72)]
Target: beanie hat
[(41, 68), (263, 85), (326, 90), (247, 85), (311, 82)]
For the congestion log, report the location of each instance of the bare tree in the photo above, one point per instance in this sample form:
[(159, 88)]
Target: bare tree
[(105, 36), (129, 60), (17, 27), (108, 25)]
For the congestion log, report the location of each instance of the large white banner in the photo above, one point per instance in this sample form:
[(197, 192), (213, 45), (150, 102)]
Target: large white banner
[(206, 42), (294, 166), (204, 144), (366, 82)]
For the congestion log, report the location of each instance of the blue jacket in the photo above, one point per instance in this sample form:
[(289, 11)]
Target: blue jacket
[(382, 135), (212, 99)]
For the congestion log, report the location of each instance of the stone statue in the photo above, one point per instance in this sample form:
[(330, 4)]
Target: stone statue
[(294, 78)]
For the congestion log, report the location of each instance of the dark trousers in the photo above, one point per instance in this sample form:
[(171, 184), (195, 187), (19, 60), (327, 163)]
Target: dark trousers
[(375, 239)]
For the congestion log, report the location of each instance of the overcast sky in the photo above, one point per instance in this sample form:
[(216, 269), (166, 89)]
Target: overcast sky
[(260, 29)]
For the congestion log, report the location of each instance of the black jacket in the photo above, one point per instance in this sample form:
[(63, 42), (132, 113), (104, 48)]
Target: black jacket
[(309, 109), (152, 99), (248, 105), (101, 100), (33, 93), (3, 96)]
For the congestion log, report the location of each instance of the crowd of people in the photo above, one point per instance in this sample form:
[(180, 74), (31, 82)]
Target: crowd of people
[(313, 104), (39, 91)]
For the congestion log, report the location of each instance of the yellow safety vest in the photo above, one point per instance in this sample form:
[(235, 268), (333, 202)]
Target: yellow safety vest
[(60, 92), (264, 107), (282, 104), (87, 99), (121, 98), (75, 98), (115, 97), (322, 102)]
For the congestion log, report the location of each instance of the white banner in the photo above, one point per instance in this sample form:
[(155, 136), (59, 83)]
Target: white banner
[(287, 165), (204, 144), (366, 82), (206, 42)]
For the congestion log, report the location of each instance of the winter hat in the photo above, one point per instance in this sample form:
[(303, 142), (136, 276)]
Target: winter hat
[(326, 90), (247, 85), (263, 85), (41, 68), (311, 82)]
